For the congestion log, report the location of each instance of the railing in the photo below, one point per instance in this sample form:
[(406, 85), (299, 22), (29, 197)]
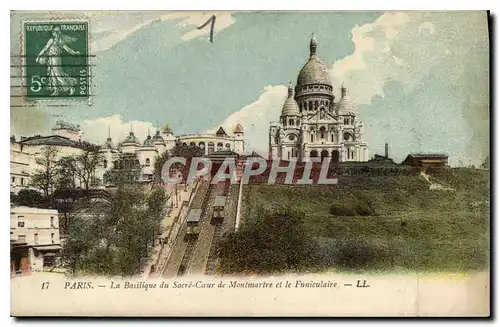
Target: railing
[(168, 242)]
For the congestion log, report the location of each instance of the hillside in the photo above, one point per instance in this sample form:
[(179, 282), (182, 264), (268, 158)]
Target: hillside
[(387, 223)]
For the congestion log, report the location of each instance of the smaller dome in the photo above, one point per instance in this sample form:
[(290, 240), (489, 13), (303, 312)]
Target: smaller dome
[(290, 107), (167, 129), (148, 141), (238, 129), (157, 138), (131, 138), (108, 144), (345, 104)]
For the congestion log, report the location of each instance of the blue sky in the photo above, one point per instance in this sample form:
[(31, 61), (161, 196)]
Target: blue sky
[(419, 80)]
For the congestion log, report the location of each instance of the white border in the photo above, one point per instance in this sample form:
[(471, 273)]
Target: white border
[(380, 5)]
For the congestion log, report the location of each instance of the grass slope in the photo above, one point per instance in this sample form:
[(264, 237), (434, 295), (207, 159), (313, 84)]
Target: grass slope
[(412, 227)]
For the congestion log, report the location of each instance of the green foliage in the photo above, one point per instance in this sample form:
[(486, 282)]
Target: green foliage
[(127, 171), (358, 208), (179, 150), (399, 223), (115, 238), (160, 161), (276, 242), (29, 198), (43, 179)]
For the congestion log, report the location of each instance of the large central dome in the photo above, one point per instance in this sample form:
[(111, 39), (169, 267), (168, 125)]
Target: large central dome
[(314, 71)]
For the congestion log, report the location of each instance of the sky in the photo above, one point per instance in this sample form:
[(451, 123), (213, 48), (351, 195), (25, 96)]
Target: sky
[(419, 80)]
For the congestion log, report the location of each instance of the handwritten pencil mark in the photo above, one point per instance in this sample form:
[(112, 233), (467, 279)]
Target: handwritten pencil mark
[(211, 19)]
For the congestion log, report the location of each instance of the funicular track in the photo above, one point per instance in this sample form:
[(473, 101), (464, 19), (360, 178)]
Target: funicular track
[(192, 241)]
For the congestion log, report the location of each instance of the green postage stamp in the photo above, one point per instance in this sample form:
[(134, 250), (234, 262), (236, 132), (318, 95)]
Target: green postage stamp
[(56, 61)]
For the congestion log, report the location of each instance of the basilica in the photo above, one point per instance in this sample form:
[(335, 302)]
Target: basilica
[(312, 124)]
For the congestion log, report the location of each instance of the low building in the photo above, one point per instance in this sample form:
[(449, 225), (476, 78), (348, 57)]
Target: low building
[(426, 160), (34, 237)]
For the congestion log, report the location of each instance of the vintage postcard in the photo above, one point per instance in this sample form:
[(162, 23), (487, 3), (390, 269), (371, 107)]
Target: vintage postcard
[(330, 164)]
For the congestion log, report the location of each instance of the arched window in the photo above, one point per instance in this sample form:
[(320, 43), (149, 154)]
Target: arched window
[(184, 143), (316, 105), (201, 145), (322, 132), (228, 146), (312, 138), (148, 162), (105, 163), (192, 144), (314, 154), (115, 164), (210, 147), (219, 146)]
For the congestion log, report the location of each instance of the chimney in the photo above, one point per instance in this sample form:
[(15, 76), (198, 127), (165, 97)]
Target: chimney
[(387, 150)]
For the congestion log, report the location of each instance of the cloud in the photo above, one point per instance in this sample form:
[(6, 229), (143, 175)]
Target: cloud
[(407, 47), (412, 49), (96, 130), (110, 28), (255, 118)]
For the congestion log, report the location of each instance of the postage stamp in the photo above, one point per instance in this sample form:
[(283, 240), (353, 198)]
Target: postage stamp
[(56, 64)]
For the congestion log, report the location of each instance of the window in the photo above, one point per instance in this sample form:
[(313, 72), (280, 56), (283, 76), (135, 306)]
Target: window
[(20, 224), (21, 238), (291, 137), (13, 179), (219, 146), (115, 164), (322, 132), (202, 145), (288, 155), (312, 138), (148, 162), (52, 222), (290, 122), (105, 163), (52, 237), (332, 138), (22, 181), (192, 144), (36, 238), (228, 146)]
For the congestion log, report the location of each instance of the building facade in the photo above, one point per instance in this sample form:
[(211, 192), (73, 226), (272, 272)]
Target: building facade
[(34, 236), (65, 138), (312, 124), (69, 140)]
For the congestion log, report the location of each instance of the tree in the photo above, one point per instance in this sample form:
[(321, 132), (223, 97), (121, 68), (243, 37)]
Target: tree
[(127, 171), (28, 197), (43, 179), (160, 161), (65, 177), (277, 241), (186, 151), (117, 237), (179, 150)]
